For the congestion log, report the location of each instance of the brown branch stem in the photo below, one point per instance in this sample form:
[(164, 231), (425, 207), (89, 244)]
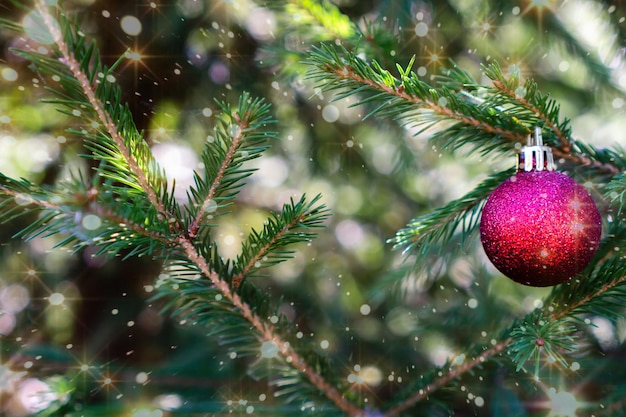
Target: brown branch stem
[(237, 279), (41, 203), (452, 374), (565, 143), (564, 152), (230, 155), (268, 333), (111, 128), (559, 314), (348, 74)]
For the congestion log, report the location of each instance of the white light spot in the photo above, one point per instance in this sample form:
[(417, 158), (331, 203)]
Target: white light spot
[(577, 227), (9, 74), (13, 299), (56, 299), (516, 10), (35, 395), (365, 309), (272, 171), (479, 401), (421, 29), (106, 13), (269, 349), (210, 206), (330, 113), (617, 103), (563, 66), (141, 378), (371, 375), (91, 222), (562, 403), (37, 29), (207, 112), (178, 161), (261, 23), (350, 234), (130, 25), (7, 323), (324, 344), (472, 303)]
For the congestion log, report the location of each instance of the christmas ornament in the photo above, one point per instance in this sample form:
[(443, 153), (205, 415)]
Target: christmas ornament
[(540, 227)]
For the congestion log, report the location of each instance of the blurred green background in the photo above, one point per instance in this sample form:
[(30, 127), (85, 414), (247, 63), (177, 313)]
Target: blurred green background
[(90, 319)]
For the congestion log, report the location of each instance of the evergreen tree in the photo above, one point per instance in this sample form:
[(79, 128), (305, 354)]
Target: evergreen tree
[(274, 208)]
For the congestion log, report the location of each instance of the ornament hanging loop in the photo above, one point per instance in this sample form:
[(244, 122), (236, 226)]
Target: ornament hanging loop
[(535, 156)]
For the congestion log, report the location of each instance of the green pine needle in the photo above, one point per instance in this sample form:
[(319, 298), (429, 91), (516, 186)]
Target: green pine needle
[(294, 224)]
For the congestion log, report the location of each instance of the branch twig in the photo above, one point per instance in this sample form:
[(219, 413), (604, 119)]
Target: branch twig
[(268, 332), (109, 124), (195, 224)]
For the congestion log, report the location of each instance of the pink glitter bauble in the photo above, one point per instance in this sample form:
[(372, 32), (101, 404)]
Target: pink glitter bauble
[(540, 228)]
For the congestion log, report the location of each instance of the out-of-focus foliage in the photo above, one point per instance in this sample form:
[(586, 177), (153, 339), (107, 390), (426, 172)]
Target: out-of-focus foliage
[(86, 326)]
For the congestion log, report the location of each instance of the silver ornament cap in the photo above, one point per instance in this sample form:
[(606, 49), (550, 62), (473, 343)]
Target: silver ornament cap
[(535, 156)]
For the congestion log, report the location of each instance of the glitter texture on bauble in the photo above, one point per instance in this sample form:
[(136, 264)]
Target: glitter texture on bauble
[(540, 227)]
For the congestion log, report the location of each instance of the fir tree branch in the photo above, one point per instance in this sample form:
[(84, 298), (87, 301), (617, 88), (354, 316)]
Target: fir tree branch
[(193, 228), (547, 330), (291, 226), (116, 218), (452, 374), (239, 137), (27, 199), (267, 332), (440, 225), (89, 90), (418, 103), (389, 89), (503, 88)]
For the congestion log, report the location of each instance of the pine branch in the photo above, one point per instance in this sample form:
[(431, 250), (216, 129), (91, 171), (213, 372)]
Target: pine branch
[(547, 113), (483, 125), (547, 331), (267, 332), (292, 225), (86, 86), (439, 225), (119, 147), (616, 192), (410, 99), (238, 139), (445, 376)]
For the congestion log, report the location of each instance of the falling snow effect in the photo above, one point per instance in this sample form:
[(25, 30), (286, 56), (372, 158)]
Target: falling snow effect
[(354, 242)]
